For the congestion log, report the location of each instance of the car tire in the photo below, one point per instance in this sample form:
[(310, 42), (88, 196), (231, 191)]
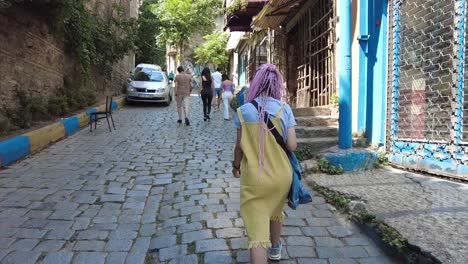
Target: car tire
[(168, 101)]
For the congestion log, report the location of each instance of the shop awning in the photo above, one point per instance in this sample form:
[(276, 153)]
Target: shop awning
[(275, 12), (234, 40), (241, 20)]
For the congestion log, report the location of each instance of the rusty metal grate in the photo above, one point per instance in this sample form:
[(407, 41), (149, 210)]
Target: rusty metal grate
[(316, 69)]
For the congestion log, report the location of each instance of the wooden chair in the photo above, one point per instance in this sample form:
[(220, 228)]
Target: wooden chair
[(95, 116)]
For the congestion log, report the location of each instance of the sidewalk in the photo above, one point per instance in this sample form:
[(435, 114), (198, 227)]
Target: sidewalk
[(431, 213)]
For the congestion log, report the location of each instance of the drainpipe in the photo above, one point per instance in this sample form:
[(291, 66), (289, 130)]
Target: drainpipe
[(345, 140)]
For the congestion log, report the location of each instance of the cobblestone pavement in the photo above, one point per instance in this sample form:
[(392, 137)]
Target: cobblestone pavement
[(432, 213), (152, 189)]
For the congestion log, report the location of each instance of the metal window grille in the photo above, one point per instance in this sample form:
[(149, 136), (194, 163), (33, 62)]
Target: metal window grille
[(428, 85), (316, 68), (426, 76), (390, 78), (464, 129)]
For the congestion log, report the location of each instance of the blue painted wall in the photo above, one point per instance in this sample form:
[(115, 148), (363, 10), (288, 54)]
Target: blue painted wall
[(377, 72), (373, 69), (363, 68)]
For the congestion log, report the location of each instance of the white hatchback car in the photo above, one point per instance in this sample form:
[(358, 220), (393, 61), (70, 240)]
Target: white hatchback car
[(150, 86), (146, 67)]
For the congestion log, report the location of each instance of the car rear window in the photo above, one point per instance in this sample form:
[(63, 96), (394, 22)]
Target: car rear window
[(149, 76)]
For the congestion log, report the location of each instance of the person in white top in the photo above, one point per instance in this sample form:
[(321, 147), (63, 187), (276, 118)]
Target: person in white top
[(217, 80)]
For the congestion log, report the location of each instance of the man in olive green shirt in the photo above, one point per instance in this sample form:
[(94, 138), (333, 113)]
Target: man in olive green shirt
[(183, 89)]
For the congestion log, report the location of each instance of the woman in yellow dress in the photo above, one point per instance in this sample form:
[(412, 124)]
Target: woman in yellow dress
[(262, 165)]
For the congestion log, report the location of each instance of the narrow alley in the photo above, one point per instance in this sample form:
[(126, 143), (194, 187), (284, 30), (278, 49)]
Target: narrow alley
[(154, 190)]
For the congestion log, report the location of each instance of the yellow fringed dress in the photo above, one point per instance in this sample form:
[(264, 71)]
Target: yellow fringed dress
[(262, 196)]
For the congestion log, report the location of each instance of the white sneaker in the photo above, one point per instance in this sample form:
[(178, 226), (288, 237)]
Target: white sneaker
[(274, 253)]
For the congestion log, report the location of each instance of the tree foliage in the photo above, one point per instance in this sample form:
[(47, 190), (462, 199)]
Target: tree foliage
[(148, 50), (181, 19), (213, 50), (95, 39), (236, 5)]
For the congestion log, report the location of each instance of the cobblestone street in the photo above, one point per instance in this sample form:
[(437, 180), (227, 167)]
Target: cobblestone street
[(154, 190)]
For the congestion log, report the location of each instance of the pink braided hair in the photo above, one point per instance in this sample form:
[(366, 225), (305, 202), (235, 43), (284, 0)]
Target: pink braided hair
[(267, 82)]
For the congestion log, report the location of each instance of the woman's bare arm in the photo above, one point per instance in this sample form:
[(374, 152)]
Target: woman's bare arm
[(291, 142), (238, 154)]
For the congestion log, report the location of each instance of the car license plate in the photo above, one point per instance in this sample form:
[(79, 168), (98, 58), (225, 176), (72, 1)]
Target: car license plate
[(144, 95)]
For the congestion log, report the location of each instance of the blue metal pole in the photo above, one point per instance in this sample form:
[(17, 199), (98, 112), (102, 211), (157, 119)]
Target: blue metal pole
[(345, 140)]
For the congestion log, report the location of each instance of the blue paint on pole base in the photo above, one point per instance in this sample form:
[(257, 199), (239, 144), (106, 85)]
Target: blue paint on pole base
[(14, 149), (353, 161), (71, 125)]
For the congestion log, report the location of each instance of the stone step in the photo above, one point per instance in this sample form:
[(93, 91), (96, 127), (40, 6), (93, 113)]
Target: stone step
[(312, 111), (316, 132), (320, 143), (312, 121), (317, 144)]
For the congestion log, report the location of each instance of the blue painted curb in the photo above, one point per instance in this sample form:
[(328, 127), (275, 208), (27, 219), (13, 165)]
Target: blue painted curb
[(114, 105), (91, 110), (13, 149), (16, 148), (71, 125)]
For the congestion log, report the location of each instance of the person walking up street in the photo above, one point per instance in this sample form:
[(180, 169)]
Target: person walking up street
[(217, 79), (171, 76), (262, 164), (183, 89), (228, 90), (206, 92)]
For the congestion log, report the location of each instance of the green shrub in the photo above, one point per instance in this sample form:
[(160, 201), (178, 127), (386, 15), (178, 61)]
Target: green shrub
[(57, 105), (391, 236), (334, 100), (326, 167), (333, 197), (28, 109), (304, 152), (383, 159), (94, 39)]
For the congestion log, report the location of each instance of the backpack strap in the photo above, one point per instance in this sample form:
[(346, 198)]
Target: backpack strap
[(239, 114), (272, 128)]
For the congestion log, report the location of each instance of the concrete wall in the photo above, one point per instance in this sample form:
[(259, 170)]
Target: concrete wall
[(32, 59)]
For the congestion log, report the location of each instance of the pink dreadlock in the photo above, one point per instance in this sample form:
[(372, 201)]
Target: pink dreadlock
[(267, 82)]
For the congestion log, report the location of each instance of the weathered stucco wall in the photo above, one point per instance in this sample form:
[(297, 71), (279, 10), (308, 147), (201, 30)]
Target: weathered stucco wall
[(30, 58), (33, 60)]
